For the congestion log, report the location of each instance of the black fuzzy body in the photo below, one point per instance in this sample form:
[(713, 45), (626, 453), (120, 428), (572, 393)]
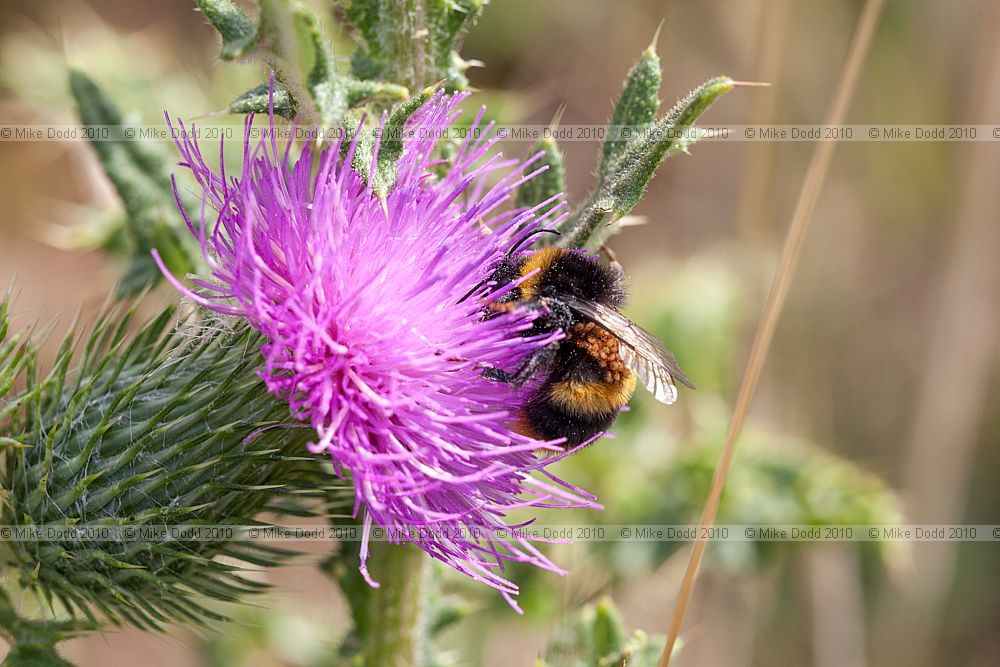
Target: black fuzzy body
[(548, 419), (548, 276)]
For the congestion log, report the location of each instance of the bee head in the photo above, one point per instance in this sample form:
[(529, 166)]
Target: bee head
[(506, 270)]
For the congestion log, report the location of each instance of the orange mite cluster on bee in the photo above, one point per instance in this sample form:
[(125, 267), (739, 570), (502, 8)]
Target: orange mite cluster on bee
[(603, 347)]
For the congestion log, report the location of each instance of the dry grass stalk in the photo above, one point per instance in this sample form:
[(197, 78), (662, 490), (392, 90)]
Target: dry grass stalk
[(819, 165)]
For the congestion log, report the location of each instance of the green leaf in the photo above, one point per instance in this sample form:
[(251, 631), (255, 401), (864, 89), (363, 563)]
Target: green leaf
[(643, 651), (333, 92), (596, 637), (33, 642), (360, 92), (412, 42), (390, 144), (626, 178), (357, 592), (638, 163), (32, 655), (139, 171), (547, 184), (609, 630), (328, 91), (238, 31), (635, 109), (258, 100), (779, 481)]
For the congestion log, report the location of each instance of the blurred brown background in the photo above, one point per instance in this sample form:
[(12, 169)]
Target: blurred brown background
[(886, 354)]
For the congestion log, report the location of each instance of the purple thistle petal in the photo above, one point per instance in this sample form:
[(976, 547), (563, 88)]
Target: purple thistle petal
[(366, 339)]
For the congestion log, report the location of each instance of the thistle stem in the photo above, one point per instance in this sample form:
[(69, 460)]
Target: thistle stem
[(396, 609)]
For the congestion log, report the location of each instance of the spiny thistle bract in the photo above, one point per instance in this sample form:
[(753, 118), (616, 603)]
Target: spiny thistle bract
[(168, 426), (367, 336)]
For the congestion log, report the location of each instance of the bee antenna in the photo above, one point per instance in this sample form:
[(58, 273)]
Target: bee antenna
[(473, 290), (518, 244), (529, 235)]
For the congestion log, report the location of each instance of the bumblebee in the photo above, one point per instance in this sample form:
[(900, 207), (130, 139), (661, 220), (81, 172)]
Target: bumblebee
[(591, 373)]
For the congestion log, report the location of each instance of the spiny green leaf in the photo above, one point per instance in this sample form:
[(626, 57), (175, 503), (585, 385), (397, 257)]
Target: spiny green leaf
[(258, 99), (238, 31), (635, 109), (334, 92), (412, 42), (626, 178), (360, 92), (638, 163), (391, 145), (547, 184), (596, 637), (328, 91), (609, 630), (140, 174), (34, 642), (389, 142), (357, 592), (33, 655)]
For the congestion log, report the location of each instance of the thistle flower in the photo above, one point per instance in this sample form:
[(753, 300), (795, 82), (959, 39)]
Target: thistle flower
[(359, 300)]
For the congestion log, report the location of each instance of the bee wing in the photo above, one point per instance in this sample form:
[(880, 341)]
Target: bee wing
[(654, 365), (654, 377)]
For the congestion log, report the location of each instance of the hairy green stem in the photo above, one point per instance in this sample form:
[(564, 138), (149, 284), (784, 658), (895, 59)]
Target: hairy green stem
[(396, 607), (414, 37)]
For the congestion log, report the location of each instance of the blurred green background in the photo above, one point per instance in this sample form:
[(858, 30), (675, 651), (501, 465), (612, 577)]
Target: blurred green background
[(879, 399)]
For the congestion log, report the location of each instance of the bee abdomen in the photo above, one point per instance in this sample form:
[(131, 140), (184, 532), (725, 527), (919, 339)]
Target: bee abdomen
[(592, 398), (546, 419), (576, 410)]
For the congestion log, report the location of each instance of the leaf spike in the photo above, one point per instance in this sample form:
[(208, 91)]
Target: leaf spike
[(557, 117), (656, 37)]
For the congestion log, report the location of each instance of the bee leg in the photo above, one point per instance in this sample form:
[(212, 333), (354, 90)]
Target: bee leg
[(536, 362), (496, 374), (612, 257)]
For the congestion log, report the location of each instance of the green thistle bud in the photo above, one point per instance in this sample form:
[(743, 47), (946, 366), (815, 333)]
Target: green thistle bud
[(169, 426)]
